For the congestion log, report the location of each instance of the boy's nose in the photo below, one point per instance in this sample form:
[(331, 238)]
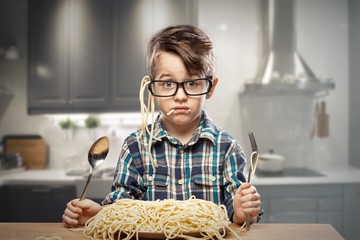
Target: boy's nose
[(180, 94)]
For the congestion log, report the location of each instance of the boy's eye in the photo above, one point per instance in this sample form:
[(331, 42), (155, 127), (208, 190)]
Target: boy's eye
[(169, 84), (191, 84)]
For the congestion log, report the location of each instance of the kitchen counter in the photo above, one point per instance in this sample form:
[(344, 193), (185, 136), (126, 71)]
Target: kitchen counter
[(336, 176), (100, 187), (346, 175), (328, 198), (258, 231)]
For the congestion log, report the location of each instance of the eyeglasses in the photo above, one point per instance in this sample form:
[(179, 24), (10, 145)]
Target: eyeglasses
[(194, 87)]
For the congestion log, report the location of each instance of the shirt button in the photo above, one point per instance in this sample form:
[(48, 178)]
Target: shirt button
[(181, 150), (150, 178), (181, 181), (213, 178)]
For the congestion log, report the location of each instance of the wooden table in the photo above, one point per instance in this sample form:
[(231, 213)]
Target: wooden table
[(31, 231)]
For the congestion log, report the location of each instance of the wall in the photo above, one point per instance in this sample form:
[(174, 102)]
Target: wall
[(322, 39)]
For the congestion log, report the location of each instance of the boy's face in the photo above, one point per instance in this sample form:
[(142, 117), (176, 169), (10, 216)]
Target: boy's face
[(185, 110)]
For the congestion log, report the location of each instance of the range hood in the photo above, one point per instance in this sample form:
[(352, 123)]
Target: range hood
[(283, 70)]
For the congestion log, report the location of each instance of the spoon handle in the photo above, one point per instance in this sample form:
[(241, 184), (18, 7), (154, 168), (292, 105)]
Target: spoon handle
[(86, 185)]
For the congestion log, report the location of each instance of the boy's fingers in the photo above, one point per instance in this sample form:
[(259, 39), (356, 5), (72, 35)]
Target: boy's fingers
[(242, 187), (71, 214), (245, 185), (69, 222), (251, 204), (73, 207), (250, 198), (252, 211)]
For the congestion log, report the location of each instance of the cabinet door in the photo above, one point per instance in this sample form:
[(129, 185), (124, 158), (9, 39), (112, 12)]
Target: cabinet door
[(89, 53), (134, 23), (36, 203), (2, 204), (351, 211), (302, 204), (132, 29), (47, 50)]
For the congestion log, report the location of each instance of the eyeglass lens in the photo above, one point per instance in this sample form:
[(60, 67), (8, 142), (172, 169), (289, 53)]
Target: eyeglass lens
[(191, 87)]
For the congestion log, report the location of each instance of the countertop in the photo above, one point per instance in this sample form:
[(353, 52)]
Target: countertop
[(98, 188), (346, 175), (257, 231), (101, 186)]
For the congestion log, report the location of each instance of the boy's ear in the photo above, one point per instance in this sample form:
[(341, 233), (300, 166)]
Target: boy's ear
[(212, 88)]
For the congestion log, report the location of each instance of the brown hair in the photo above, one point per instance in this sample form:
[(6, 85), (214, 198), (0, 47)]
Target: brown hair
[(190, 43)]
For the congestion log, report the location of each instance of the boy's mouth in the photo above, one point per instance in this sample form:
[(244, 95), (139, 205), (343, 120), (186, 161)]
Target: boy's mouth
[(179, 110)]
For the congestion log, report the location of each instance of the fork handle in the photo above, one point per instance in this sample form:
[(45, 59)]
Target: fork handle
[(248, 222)]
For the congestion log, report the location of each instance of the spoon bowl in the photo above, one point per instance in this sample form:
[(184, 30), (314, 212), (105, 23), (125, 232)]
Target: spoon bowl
[(96, 156)]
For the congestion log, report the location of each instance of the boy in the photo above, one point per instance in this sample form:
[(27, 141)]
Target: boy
[(188, 155)]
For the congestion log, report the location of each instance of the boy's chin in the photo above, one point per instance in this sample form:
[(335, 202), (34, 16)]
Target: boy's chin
[(184, 119)]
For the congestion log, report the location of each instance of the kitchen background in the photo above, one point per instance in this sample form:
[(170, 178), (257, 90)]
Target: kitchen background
[(327, 36), (322, 35)]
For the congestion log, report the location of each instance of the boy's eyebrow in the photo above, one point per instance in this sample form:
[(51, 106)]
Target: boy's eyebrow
[(172, 77), (166, 76)]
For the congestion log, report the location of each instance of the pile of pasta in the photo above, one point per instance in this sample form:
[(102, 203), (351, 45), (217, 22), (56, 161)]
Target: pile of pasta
[(129, 218)]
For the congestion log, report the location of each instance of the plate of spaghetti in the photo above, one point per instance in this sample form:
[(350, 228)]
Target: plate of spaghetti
[(165, 219)]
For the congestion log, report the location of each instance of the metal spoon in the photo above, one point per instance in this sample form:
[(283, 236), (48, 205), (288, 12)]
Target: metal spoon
[(96, 156)]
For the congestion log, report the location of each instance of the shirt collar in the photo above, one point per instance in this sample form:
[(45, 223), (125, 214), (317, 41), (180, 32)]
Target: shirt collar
[(205, 130)]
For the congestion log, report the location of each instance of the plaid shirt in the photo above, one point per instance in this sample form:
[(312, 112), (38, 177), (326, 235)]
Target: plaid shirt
[(210, 166)]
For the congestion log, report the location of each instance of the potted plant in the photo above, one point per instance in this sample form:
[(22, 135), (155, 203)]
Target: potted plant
[(91, 123), (68, 126)]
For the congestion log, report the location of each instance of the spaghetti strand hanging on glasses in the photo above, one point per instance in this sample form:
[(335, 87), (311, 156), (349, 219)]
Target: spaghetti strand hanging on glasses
[(145, 110)]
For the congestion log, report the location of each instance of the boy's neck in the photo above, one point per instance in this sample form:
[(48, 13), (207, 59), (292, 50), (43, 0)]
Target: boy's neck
[(183, 133)]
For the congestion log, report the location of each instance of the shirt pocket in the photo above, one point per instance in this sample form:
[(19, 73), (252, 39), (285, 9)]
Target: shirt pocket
[(208, 180), (155, 180)]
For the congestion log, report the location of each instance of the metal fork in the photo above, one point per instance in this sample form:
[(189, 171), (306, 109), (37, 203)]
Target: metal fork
[(254, 149)]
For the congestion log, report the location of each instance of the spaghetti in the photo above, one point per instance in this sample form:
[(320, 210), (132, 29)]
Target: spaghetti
[(145, 115), (174, 219), (170, 112), (49, 238)]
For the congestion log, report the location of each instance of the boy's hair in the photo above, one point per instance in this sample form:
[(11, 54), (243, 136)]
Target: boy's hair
[(190, 43)]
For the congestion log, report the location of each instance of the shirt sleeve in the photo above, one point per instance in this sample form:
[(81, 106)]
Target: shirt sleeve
[(127, 181), (233, 175)]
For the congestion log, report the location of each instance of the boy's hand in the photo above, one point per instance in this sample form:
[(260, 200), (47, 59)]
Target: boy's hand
[(79, 212), (246, 201)]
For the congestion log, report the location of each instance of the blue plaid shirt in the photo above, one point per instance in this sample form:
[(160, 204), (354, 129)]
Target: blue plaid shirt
[(209, 166)]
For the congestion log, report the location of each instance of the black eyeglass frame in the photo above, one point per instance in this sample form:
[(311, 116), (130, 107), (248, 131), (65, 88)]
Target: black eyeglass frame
[(182, 85)]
